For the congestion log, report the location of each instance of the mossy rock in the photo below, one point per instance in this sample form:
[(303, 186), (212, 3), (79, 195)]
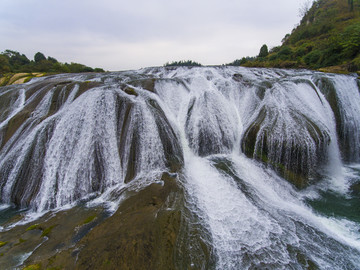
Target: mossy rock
[(237, 77), (89, 219), (142, 234), (327, 87), (250, 135), (262, 87), (130, 91), (14, 124), (62, 231), (145, 240), (85, 86), (32, 267), (355, 189), (289, 156), (172, 149), (47, 231), (33, 227), (147, 84)]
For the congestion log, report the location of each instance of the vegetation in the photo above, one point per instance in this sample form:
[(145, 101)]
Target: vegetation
[(33, 267), (15, 62), (89, 219), (47, 231), (328, 36), (264, 51), (33, 227), (187, 63)]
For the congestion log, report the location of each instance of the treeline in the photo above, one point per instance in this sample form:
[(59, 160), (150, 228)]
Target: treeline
[(327, 36), (15, 62), (187, 63)]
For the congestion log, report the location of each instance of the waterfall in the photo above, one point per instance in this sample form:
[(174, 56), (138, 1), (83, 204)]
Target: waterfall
[(252, 148)]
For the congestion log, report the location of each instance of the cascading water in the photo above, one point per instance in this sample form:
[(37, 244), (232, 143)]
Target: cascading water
[(234, 137)]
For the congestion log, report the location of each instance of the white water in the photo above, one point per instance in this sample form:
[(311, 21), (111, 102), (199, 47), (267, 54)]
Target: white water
[(253, 227), (256, 218), (350, 106)]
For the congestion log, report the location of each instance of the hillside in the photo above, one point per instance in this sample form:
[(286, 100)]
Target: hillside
[(17, 68), (328, 36)]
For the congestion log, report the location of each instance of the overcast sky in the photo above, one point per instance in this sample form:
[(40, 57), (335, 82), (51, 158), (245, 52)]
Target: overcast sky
[(120, 35)]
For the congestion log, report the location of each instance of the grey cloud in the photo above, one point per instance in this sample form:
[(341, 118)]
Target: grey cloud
[(140, 26)]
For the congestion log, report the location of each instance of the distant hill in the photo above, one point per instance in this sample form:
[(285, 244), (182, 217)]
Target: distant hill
[(327, 38), (15, 62)]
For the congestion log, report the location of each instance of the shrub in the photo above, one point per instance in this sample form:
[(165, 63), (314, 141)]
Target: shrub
[(312, 58), (351, 40), (284, 53)]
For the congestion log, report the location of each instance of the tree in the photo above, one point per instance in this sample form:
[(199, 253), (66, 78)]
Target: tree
[(304, 8), (4, 64), (52, 59), (188, 63), (264, 51), (16, 60), (38, 57)]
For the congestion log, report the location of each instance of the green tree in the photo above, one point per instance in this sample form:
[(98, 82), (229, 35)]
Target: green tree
[(189, 63), (77, 68), (264, 51), (16, 60), (4, 64), (51, 59), (38, 57)]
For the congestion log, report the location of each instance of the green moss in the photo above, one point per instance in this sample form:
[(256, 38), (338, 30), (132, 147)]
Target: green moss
[(33, 227), (33, 267), (145, 229), (20, 241), (249, 142), (47, 231), (28, 79), (89, 219), (130, 91), (3, 243)]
